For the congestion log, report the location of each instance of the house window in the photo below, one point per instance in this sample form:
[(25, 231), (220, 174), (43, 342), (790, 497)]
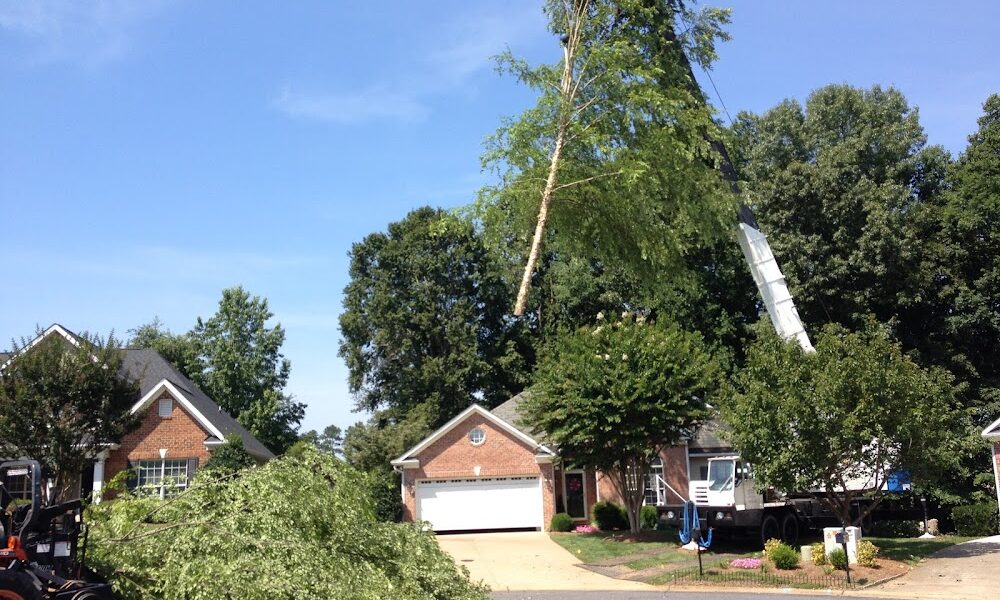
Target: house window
[(654, 492), (170, 475), (477, 436), (166, 407)]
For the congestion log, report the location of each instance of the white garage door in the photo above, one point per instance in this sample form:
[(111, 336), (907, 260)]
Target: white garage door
[(489, 503)]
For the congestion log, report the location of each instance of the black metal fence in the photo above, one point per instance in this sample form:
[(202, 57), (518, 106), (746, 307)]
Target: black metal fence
[(723, 574)]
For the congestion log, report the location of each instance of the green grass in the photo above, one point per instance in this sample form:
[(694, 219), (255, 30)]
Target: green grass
[(657, 559), (913, 550), (595, 547)]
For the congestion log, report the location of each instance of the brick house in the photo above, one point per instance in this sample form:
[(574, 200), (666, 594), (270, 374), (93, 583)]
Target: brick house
[(992, 434), (180, 426), (485, 470)]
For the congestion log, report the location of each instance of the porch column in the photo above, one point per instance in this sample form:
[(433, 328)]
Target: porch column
[(99, 475)]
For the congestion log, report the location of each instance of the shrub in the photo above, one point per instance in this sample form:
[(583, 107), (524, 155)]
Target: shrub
[(838, 558), (975, 519), (818, 553), (867, 553), (895, 529), (561, 522), (608, 516), (784, 557), (769, 547), (648, 517)]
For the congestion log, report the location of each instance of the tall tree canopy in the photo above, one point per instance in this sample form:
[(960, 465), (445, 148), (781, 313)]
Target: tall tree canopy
[(970, 260), (843, 417), (613, 159), (425, 322), (612, 396), (61, 401), (839, 185), (236, 359)]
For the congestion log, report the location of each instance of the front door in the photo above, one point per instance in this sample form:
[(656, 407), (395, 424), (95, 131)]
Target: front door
[(576, 501)]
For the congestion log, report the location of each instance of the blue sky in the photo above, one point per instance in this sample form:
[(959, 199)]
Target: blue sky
[(154, 152)]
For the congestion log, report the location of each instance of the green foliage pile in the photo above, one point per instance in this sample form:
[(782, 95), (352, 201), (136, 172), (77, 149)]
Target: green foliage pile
[(294, 528), (648, 517), (561, 522), (818, 553), (60, 401), (975, 519), (838, 559), (784, 556), (867, 554), (608, 516)]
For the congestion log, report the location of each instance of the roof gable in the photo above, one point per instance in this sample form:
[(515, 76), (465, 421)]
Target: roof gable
[(53, 329), (411, 454), (992, 431)]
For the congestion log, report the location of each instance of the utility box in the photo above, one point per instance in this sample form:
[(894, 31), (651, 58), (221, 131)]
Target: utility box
[(833, 538)]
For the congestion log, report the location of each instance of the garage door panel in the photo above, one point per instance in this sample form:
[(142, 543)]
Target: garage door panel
[(492, 503)]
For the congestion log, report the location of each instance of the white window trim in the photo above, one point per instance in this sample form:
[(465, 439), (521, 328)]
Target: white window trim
[(481, 440), (583, 482)]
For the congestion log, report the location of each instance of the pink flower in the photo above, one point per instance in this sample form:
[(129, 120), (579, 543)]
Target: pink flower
[(746, 563), (585, 529)]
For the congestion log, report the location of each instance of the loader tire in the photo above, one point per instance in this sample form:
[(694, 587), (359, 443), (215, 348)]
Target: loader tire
[(769, 529), (19, 586), (790, 529)]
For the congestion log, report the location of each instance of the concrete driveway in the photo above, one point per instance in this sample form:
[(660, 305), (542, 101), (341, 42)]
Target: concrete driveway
[(970, 570), (526, 561)]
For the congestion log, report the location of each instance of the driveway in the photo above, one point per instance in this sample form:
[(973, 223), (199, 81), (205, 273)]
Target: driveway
[(526, 561), (963, 571)]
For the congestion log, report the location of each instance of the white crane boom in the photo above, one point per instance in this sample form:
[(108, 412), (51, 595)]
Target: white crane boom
[(771, 283)]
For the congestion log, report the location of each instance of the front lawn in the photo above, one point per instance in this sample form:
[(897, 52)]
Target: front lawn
[(914, 550), (602, 545)]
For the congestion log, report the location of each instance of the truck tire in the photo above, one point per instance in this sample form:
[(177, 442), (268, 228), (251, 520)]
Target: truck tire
[(769, 529), (790, 529), (19, 586)]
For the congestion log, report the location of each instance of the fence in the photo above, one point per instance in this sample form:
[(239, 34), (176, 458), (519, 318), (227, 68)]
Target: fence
[(717, 574)]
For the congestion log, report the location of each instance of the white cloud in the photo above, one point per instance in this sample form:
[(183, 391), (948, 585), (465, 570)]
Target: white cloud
[(377, 102), (90, 33), (460, 49)]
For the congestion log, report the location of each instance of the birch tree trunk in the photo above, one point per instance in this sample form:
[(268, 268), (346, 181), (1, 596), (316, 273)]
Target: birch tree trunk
[(567, 90)]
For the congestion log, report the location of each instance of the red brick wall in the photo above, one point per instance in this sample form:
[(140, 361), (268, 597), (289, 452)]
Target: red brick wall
[(996, 466), (501, 455), (179, 433), (675, 472)]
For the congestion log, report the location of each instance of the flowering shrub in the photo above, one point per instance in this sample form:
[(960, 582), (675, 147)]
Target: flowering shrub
[(746, 563), (586, 529)]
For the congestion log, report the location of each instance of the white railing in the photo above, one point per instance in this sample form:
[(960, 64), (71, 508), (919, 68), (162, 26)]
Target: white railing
[(665, 493)]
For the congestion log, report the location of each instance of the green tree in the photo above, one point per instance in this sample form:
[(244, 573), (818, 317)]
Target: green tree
[(61, 401), (295, 527), (180, 350), (230, 457), (843, 417), (842, 186), (612, 396), (424, 320), (613, 159), (236, 359), (331, 441), (969, 263)]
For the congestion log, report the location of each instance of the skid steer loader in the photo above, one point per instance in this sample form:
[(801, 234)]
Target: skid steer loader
[(42, 548)]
